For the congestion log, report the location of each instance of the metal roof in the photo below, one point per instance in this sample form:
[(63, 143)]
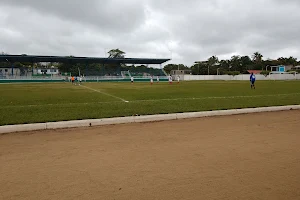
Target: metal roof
[(70, 59)]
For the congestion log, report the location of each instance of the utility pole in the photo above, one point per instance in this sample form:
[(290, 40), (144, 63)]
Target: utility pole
[(198, 64), (208, 69)]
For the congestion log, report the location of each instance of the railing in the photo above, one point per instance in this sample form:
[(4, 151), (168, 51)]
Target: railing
[(86, 78)]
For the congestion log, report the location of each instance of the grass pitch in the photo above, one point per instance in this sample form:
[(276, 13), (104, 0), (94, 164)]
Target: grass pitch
[(45, 102)]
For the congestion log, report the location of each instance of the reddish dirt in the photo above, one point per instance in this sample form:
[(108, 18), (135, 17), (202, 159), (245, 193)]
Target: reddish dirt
[(252, 156)]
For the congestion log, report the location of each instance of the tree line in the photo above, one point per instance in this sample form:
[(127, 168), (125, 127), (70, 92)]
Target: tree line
[(235, 65)]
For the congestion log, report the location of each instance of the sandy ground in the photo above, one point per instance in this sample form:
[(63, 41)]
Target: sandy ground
[(251, 156)]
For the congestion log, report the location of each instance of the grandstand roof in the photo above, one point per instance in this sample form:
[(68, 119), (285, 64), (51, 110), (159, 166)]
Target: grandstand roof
[(71, 59)]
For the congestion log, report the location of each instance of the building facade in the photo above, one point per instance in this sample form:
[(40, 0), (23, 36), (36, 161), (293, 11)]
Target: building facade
[(46, 71)]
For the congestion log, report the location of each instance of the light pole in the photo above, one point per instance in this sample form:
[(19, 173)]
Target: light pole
[(207, 69), (198, 64)]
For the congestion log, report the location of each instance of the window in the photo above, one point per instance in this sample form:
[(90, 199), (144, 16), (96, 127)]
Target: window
[(52, 70)]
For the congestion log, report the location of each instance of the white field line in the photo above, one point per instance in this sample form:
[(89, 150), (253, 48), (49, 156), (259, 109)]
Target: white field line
[(59, 104), (105, 93), (148, 100), (222, 97), (25, 83)]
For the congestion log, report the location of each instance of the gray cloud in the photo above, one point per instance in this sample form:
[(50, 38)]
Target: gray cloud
[(106, 15), (187, 30)]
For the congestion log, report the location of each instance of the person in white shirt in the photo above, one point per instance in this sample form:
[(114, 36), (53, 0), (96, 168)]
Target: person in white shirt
[(178, 79), (151, 80), (157, 79), (131, 80), (80, 80), (170, 79)]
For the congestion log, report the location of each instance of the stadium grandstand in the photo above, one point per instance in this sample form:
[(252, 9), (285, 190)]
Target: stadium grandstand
[(32, 67)]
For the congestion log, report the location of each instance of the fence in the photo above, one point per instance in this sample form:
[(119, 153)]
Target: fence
[(59, 78), (241, 77)]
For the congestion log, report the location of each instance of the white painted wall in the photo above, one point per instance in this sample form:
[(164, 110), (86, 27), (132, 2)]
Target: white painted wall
[(8, 71), (49, 71), (241, 77)]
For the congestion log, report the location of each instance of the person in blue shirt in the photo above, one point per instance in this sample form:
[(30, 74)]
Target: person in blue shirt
[(252, 80)]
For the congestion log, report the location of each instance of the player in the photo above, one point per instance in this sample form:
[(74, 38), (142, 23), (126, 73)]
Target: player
[(170, 79), (72, 79), (151, 80), (252, 80), (157, 79), (131, 80), (178, 79), (80, 80)]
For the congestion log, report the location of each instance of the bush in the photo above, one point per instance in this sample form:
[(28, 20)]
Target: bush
[(233, 73), (265, 73)]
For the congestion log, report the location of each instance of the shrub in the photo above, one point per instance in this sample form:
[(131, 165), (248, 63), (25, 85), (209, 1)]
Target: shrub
[(233, 73), (265, 73)]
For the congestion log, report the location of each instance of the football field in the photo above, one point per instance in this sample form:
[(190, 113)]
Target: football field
[(45, 102)]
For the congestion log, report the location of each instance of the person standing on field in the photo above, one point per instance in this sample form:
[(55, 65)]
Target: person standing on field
[(72, 79), (252, 80), (170, 79), (80, 80), (132, 80), (157, 79)]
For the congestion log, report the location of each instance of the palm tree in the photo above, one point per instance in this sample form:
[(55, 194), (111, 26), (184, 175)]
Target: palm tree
[(116, 53), (212, 61), (257, 57)]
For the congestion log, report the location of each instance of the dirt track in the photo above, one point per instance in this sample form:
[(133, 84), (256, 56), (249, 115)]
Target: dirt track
[(238, 157)]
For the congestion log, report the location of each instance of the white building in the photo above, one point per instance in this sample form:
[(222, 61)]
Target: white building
[(9, 71), (49, 71)]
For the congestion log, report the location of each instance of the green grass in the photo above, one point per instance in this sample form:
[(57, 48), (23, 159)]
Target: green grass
[(31, 103)]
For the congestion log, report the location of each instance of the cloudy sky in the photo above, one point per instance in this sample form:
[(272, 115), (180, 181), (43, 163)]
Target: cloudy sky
[(184, 30)]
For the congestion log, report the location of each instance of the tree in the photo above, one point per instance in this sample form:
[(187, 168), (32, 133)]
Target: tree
[(213, 60), (169, 67), (199, 68), (210, 65), (292, 61), (116, 53), (236, 63), (225, 64), (246, 64), (257, 57)]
